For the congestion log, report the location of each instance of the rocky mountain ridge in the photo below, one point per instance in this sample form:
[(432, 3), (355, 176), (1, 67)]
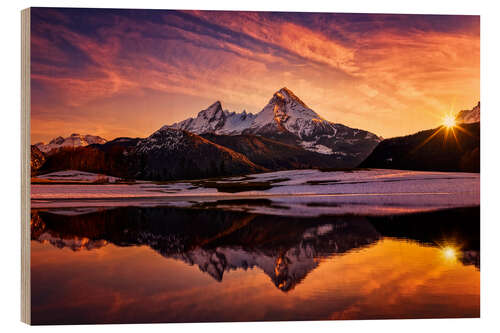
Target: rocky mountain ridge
[(285, 118)]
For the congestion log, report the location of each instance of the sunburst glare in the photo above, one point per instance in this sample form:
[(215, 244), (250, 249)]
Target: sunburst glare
[(449, 253), (449, 121)]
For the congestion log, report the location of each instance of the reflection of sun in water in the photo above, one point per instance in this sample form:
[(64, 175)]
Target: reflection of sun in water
[(449, 253), (449, 121)]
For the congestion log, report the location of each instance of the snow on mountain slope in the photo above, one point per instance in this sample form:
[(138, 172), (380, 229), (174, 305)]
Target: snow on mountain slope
[(285, 111), (72, 141), (168, 140), (469, 116), (215, 120), (236, 123), (165, 138)]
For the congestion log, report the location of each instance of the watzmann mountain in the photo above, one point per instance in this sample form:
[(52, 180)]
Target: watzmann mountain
[(285, 134), (287, 119)]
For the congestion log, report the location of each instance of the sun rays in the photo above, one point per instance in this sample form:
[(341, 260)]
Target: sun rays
[(449, 124), (449, 121)]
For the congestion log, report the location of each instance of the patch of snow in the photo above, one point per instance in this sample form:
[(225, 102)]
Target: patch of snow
[(318, 148), (236, 123)]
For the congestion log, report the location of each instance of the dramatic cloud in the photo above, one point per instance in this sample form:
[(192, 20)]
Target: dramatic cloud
[(128, 72)]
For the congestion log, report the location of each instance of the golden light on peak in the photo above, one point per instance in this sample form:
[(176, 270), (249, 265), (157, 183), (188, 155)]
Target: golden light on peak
[(449, 121)]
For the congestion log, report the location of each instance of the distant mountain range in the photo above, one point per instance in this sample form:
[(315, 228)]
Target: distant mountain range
[(73, 141), (286, 134)]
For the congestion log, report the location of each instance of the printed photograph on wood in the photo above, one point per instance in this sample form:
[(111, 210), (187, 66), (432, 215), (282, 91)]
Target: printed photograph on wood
[(208, 166)]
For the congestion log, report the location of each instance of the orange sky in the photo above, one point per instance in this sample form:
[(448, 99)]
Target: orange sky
[(128, 72)]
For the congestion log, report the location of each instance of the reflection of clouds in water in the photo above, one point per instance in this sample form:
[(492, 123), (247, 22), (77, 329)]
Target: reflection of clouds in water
[(383, 281), (417, 283)]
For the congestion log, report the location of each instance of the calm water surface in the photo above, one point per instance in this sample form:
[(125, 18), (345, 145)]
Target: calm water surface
[(134, 265)]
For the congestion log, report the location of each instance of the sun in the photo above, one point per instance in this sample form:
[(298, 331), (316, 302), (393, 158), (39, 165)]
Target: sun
[(449, 121)]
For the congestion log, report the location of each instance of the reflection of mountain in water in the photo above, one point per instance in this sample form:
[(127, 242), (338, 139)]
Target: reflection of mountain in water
[(285, 248), (286, 264), (217, 241)]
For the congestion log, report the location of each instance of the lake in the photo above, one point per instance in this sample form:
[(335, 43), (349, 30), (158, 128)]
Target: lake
[(307, 250)]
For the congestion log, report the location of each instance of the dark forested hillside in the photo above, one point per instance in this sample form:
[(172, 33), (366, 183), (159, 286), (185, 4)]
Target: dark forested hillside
[(167, 154), (439, 149)]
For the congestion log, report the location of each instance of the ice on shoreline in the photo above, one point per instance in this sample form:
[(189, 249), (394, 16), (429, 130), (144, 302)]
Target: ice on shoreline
[(294, 193), (76, 176)]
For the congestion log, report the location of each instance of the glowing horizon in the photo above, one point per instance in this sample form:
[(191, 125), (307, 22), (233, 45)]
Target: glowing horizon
[(119, 73)]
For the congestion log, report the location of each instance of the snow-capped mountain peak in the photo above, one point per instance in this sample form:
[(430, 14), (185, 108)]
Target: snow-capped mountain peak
[(212, 112), (287, 103), (286, 93), (285, 117), (215, 120), (73, 141), (287, 112), (208, 120)]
